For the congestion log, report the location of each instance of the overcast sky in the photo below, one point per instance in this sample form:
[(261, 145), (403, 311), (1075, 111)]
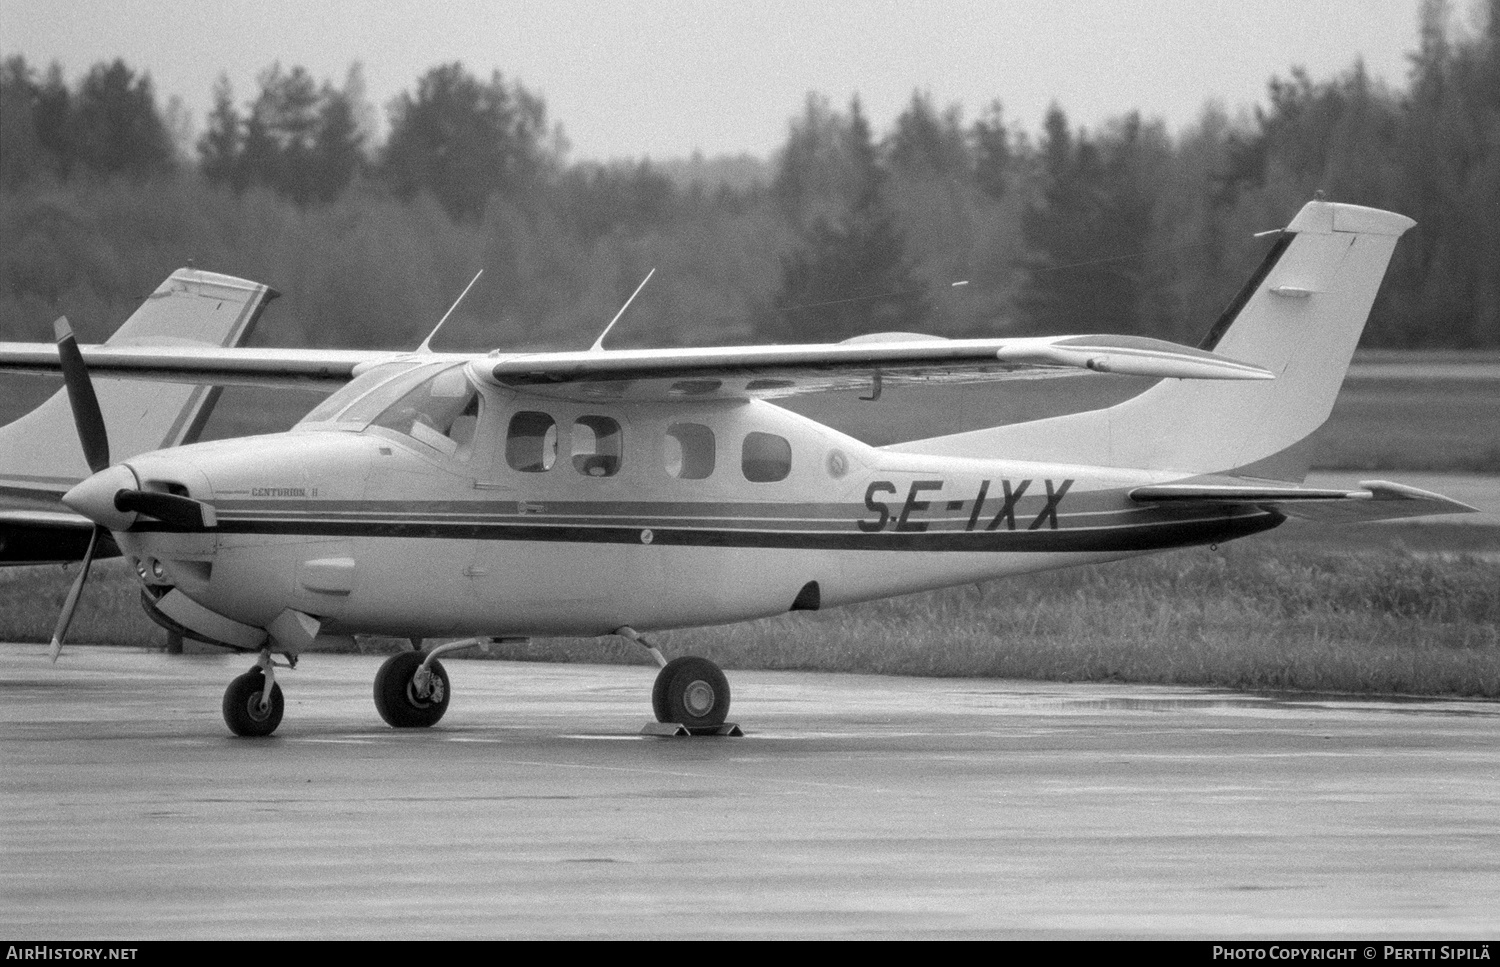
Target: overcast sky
[(638, 78)]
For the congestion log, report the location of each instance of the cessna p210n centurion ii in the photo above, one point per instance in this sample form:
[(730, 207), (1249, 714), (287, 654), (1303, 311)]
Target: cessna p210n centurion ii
[(609, 492)]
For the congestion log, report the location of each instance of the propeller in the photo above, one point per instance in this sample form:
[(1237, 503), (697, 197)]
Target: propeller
[(108, 491), (95, 440)]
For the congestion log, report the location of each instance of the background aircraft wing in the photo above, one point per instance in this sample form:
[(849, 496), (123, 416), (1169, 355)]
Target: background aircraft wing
[(1377, 500), (768, 372), (37, 536), (321, 369)]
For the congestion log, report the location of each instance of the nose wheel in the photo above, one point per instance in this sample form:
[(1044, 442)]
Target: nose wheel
[(252, 703)]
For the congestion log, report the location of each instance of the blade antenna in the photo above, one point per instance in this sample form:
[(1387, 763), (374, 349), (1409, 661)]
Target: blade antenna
[(426, 346), (598, 345)]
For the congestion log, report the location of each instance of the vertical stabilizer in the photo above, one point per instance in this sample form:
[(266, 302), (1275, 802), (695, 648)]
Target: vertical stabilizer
[(1300, 316), (40, 456)]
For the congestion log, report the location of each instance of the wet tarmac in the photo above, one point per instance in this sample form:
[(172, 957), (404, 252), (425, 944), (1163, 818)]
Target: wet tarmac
[(855, 806)]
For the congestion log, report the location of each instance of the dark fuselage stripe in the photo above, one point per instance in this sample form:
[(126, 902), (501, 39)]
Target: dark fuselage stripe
[(1153, 536)]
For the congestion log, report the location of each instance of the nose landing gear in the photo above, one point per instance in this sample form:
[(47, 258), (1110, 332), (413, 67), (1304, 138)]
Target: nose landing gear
[(252, 703)]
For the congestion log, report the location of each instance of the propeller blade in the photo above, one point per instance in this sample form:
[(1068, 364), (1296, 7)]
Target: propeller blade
[(66, 618), (86, 414), (184, 512)]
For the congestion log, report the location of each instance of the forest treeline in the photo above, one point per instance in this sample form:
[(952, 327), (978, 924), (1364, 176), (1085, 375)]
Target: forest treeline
[(1124, 228)]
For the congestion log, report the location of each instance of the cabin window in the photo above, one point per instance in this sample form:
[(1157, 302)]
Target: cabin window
[(441, 413), (766, 458), (531, 442), (688, 451), (596, 446)]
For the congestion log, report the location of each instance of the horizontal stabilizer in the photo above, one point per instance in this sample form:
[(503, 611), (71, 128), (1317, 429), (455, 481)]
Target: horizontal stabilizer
[(1378, 500)]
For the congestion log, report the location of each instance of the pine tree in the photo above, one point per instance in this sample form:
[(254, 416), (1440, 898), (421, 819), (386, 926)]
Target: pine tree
[(24, 156), (992, 152), (928, 145), (463, 140), (851, 275), (1094, 217), (219, 148), (337, 151), (117, 128)]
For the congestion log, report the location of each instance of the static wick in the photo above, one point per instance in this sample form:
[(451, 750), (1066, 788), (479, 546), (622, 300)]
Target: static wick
[(957, 284)]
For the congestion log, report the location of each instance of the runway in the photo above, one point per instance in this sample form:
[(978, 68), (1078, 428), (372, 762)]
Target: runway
[(856, 806)]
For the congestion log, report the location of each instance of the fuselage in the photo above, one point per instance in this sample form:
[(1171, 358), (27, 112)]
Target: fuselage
[(420, 502)]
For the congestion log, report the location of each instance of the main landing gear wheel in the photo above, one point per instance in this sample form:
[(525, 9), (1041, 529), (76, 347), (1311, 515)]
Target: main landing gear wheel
[(244, 710), (406, 700), (691, 691)]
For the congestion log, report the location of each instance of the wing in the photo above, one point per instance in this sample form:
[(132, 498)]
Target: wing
[(1379, 500), (768, 372), (728, 372)]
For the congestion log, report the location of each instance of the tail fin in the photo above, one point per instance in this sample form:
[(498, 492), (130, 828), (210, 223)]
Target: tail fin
[(1300, 316), (40, 457)]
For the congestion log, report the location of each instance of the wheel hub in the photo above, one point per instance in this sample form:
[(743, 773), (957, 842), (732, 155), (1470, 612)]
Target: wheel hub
[(699, 697)]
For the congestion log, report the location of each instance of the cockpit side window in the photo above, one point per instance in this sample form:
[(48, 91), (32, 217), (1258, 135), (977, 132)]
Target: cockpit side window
[(441, 413), (597, 445), (531, 442)]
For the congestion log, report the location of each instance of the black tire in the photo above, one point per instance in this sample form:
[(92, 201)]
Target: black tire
[(691, 691), (397, 701), (242, 711)]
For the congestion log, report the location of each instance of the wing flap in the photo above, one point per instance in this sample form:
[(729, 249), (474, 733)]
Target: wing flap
[(1377, 500)]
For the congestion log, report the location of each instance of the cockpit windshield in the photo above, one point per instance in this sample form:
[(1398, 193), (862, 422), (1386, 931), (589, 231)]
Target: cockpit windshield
[(441, 412), (353, 406)]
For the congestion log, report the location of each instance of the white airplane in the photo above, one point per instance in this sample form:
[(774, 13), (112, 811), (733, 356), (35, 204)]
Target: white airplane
[(604, 492)]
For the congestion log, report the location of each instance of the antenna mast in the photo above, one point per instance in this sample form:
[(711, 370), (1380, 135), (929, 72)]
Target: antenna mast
[(598, 345), (426, 346)]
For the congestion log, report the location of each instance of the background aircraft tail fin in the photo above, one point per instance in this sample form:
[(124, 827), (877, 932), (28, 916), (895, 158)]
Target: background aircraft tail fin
[(40, 456), (1300, 316)]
